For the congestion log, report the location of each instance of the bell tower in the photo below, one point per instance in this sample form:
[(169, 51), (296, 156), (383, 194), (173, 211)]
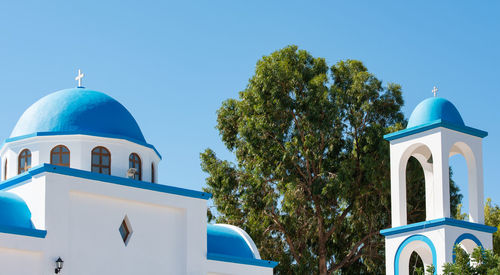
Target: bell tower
[(435, 132)]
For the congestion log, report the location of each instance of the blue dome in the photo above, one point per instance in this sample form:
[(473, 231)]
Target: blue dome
[(79, 111), (229, 241), (433, 109), (14, 211)]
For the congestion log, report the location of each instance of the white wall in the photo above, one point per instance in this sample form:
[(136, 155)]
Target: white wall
[(227, 268), (82, 218), (21, 255), (20, 262)]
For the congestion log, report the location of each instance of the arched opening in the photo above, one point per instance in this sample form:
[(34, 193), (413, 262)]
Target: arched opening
[(465, 178), (467, 242), (134, 161), (415, 263), (415, 191), (24, 163), (59, 155), (101, 160), (417, 171), (416, 244)]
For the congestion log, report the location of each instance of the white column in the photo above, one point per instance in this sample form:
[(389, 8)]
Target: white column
[(441, 207), (476, 187), (398, 189)]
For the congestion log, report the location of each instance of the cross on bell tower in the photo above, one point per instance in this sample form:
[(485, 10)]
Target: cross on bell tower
[(435, 91), (79, 78)]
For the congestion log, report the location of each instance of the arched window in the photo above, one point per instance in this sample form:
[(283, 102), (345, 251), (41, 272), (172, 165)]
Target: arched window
[(5, 170), (152, 172), (101, 160), (24, 161), (134, 161), (60, 156)]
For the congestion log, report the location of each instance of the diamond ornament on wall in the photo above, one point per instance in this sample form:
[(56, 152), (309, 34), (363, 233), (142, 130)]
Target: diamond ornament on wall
[(125, 230)]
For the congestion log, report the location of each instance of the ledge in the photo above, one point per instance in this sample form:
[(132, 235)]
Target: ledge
[(23, 231), (61, 170), (66, 133), (246, 261), (435, 124), (438, 222)]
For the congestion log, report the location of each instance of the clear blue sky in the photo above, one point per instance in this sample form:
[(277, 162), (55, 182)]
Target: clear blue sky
[(173, 63)]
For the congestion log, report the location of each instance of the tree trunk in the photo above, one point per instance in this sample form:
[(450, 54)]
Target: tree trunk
[(322, 265)]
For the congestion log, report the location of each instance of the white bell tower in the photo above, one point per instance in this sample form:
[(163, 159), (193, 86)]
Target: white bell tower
[(435, 132)]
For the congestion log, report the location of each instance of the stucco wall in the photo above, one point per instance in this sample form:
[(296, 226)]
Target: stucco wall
[(227, 268)]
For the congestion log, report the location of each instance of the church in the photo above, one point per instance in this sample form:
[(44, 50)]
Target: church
[(80, 195)]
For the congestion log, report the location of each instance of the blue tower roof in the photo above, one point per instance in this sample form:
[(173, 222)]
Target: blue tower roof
[(433, 109), (14, 211), (79, 111), (224, 240), (432, 113)]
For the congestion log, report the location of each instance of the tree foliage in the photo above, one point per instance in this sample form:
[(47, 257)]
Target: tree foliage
[(481, 262), (311, 184), (492, 218)]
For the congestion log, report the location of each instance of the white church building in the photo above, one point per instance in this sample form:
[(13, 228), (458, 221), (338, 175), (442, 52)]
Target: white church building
[(79, 195), (435, 132)]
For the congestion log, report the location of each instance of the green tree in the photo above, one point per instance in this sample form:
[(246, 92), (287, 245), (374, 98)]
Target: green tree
[(492, 218), (481, 262), (311, 184)]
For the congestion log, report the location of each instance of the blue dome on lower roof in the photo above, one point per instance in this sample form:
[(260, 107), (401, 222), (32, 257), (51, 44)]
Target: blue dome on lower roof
[(229, 241), (434, 109), (14, 211), (78, 110)]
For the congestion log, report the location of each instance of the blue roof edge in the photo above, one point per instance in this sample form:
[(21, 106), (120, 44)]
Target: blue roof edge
[(30, 232), (19, 179), (438, 222), (237, 260), (435, 124), (64, 133)]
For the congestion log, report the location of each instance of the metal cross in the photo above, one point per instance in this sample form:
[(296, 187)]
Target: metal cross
[(79, 78), (435, 91)]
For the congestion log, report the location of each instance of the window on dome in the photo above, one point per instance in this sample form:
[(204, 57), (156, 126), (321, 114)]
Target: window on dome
[(24, 161), (134, 161), (101, 160), (152, 172), (60, 156)]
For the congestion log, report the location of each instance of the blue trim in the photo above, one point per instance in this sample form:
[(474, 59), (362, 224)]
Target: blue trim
[(412, 239), (246, 261), (435, 124), (438, 222), (23, 231), (94, 134), (20, 179), (466, 236)]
